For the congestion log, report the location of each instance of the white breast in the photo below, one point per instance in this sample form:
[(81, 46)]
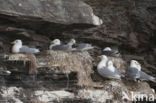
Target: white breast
[(16, 49), (101, 64)]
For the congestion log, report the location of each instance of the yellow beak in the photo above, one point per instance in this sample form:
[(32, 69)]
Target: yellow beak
[(139, 64), (99, 57), (12, 43)]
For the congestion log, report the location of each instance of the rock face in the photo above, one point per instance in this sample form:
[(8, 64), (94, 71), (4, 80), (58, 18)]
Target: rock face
[(62, 76), (57, 11), (127, 24)]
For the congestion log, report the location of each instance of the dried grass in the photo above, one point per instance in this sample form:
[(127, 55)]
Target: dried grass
[(66, 61), (80, 62), (25, 58)]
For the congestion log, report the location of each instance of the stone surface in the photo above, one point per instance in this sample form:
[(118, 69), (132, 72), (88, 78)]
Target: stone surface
[(127, 24), (61, 82), (57, 11)]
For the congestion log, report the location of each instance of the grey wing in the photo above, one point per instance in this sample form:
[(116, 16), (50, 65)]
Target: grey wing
[(62, 47), (132, 73), (144, 76), (119, 73), (105, 72), (84, 47), (26, 49)]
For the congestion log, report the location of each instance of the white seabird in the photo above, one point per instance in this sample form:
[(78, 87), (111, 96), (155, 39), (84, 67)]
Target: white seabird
[(56, 45), (133, 72), (19, 48), (83, 46), (110, 52), (108, 71)]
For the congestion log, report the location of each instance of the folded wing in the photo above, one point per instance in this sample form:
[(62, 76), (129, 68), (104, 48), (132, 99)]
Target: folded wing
[(26, 49)]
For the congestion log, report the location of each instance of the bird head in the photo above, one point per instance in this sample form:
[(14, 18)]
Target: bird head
[(72, 42), (56, 41), (107, 49), (135, 64), (18, 42), (102, 57)]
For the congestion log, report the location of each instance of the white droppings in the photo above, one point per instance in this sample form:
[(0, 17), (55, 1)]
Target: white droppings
[(114, 84), (8, 72), (19, 4), (11, 93), (47, 96), (95, 95), (96, 20), (153, 90)]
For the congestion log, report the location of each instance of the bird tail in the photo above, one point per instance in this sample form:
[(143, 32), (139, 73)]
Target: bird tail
[(152, 79), (36, 50), (88, 48)]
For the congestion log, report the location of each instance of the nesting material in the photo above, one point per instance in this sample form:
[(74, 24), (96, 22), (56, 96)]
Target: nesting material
[(25, 58), (80, 62)]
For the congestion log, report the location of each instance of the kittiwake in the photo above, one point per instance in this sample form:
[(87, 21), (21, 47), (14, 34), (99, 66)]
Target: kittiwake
[(56, 45), (19, 48), (110, 52), (133, 72), (83, 46), (108, 71)]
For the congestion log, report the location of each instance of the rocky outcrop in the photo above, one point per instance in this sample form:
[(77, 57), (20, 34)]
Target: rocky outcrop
[(23, 20), (127, 24), (56, 11), (121, 20), (65, 76)]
